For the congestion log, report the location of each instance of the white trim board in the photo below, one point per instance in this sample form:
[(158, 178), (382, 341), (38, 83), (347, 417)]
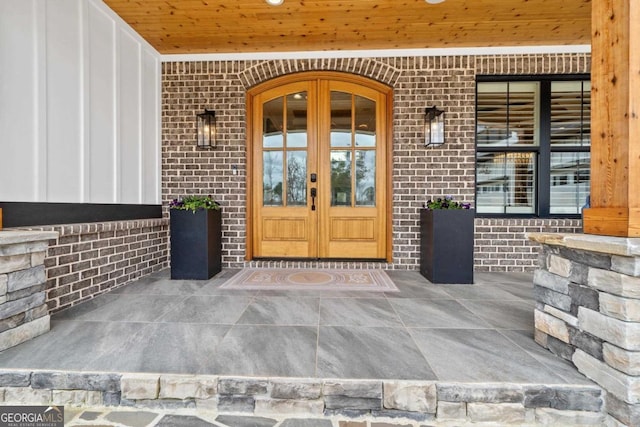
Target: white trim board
[(382, 53)]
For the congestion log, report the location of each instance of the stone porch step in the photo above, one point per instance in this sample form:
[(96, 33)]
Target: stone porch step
[(343, 402)]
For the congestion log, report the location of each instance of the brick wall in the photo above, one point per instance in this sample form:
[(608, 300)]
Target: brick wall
[(500, 244), (89, 259), (419, 173)]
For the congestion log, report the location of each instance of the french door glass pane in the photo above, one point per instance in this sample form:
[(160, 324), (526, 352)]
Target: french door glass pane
[(341, 178), (365, 178), (341, 129), (272, 175), (297, 119), (297, 178), (508, 113), (273, 117), (569, 182), (297, 139), (506, 182), (571, 113), (365, 127)]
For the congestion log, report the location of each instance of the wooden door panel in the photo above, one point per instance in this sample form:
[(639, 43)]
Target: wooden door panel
[(356, 226), (353, 231), (353, 250), (283, 231), (286, 233), (353, 237)]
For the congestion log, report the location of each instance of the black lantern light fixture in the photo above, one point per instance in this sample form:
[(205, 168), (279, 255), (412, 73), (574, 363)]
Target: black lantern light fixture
[(433, 126), (206, 124)]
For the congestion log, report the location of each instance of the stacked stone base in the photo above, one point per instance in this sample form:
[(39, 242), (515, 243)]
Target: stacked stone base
[(406, 402), (23, 310), (588, 311)]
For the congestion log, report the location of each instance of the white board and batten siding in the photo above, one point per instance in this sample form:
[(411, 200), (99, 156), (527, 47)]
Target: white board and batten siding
[(80, 99)]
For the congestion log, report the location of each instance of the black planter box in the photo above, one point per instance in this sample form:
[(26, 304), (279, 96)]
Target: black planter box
[(196, 244), (446, 245)]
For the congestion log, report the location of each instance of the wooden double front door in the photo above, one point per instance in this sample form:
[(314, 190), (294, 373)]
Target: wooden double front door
[(318, 182)]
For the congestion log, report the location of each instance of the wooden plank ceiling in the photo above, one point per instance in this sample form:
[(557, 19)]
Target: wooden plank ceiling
[(216, 26)]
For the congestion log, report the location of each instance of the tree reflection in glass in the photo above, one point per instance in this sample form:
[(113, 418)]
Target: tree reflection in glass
[(341, 178), (365, 178), (296, 178), (272, 178)]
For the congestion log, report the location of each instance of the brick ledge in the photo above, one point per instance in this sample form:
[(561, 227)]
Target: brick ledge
[(95, 227)]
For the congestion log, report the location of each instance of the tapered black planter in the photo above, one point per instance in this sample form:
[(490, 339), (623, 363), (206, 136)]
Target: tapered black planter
[(196, 244), (446, 245)]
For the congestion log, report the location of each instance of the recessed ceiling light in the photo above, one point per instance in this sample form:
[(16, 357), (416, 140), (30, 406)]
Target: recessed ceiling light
[(434, 1), (274, 2)]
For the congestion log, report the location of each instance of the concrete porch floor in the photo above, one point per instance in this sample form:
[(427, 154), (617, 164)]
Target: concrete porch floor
[(480, 333)]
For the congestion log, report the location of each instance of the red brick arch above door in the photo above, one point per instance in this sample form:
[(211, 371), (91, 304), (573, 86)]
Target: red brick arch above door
[(366, 67)]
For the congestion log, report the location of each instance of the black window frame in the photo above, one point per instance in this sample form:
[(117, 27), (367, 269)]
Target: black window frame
[(543, 149)]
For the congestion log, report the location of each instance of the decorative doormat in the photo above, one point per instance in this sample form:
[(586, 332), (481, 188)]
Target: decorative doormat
[(299, 279)]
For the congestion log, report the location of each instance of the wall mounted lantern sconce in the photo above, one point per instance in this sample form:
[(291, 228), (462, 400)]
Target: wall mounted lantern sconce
[(433, 126), (206, 124)]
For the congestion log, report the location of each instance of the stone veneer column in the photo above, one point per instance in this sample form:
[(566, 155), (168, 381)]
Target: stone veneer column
[(23, 309), (587, 293)]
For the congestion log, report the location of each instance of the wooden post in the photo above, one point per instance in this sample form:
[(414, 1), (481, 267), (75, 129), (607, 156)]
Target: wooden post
[(615, 125)]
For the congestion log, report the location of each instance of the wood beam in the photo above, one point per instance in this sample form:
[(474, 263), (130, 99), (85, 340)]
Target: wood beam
[(615, 125)]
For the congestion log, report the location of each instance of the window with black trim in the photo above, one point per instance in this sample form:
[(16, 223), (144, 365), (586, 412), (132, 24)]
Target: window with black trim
[(532, 145)]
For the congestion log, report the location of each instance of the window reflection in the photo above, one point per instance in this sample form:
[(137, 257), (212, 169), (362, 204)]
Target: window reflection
[(272, 178), (506, 182), (341, 178), (533, 141), (365, 178), (365, 122), (353, 124), (290, 142), (296, 178), (297, 119), (570, 113), (273, 117), (340, 139), (570, 180), (341, 123), (507, 113)]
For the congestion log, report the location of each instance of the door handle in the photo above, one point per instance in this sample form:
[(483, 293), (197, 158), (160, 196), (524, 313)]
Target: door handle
[(314, 194)]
